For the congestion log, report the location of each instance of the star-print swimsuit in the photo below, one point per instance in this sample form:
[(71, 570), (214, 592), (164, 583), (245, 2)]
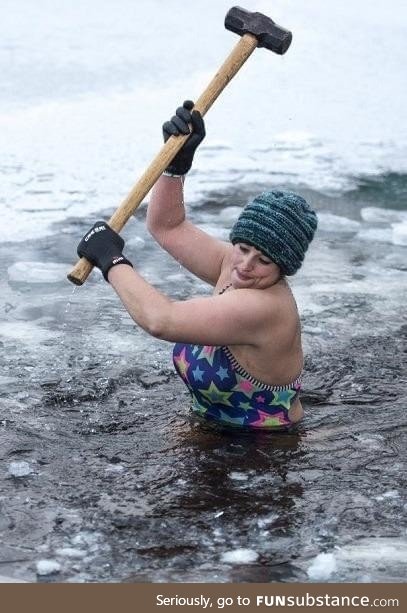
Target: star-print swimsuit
[(224, 393)]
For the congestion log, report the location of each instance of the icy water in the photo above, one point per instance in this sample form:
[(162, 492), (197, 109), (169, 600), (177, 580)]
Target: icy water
[(103, 476)]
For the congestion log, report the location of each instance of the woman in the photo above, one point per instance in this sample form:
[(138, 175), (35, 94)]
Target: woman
[(238, 351)]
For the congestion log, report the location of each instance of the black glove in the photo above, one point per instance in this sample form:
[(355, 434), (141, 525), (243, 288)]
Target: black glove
[(103, 247), (182, 162)]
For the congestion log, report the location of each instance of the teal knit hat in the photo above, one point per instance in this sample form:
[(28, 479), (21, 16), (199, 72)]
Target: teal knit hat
[(281, 225)]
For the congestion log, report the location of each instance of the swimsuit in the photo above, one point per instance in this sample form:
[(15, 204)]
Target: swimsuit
[(224, 393)]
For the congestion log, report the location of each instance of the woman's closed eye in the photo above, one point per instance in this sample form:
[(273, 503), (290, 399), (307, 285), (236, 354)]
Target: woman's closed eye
[(246, 248)]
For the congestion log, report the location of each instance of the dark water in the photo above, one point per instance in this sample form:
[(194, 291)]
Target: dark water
[(122, 486)]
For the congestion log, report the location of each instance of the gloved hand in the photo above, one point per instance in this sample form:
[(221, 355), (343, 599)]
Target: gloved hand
[(182, 162), (103, 247)]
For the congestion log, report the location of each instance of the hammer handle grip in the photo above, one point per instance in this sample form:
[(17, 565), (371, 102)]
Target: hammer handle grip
[(240, 53)]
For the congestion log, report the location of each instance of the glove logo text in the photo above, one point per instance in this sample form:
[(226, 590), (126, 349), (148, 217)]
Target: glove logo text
[(94, 231)]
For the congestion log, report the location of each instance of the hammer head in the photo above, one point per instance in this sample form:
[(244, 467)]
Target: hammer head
[(268, 34)]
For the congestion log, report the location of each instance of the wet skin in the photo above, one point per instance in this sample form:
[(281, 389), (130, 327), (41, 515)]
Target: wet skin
[(251, 269)]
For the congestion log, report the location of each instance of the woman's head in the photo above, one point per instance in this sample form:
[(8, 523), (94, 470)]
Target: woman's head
[(279, 224)]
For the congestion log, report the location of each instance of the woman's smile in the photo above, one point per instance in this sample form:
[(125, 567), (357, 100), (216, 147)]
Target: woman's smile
[(242, 275)]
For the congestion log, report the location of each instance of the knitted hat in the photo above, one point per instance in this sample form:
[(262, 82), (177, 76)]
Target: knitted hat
[(281, 225)]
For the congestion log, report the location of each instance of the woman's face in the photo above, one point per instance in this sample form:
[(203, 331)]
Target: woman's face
[(252, 269)]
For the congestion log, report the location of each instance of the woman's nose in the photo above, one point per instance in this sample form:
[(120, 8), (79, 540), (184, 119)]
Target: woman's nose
[(248, 262)]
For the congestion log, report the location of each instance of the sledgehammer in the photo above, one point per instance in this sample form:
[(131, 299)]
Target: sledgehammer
[(256, 30)]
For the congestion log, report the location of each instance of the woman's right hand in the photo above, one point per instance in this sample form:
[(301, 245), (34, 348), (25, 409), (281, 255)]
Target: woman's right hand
[(179, 124)]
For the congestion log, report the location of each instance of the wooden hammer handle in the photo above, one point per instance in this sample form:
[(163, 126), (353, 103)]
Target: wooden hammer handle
[(243, 49)]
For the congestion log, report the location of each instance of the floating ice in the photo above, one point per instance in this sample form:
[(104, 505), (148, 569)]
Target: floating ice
[(374, 441), (37, 272), (380, 235), (4, 579), (178, 277), (262, 522), (19, 469), (397, 220), (240, 556), (137, 242), (336, 223), (399, 234), (48, 567), (322, 567), (215, 231), (295, 139), (215, 145), (26, 332), (90, 540), (389, 494), (6, 381), (39, 200), (374, 214), (229, 214), (71, 552), (397, 261), (238, 476), (114, 469), (371, 551)]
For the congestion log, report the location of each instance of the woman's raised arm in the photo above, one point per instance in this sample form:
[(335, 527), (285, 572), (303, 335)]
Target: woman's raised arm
[(200, 253)]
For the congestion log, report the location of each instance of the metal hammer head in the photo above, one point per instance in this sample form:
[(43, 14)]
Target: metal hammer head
[(268, 34)]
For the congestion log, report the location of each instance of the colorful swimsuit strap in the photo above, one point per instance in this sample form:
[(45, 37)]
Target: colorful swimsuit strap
[(222, 291), (296, 384)]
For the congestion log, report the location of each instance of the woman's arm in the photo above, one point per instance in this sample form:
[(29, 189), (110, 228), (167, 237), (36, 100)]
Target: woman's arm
[(166, 209), (234, 318), (237, 317), (193, 248)]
